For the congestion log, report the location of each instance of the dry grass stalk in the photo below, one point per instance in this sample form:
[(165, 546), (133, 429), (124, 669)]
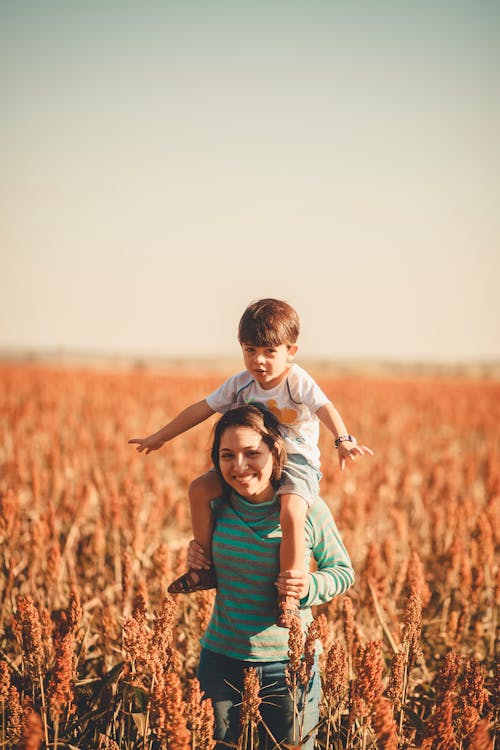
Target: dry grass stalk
[(170, 713), (163, 633), (295, 653), (383, 724), (472, 698), (251, 700), (449, 673), (381, 618), (369, 667), (200, 718), (5, 674), (440, 732), (140, 602), (14, 715), (60, 694), (395, 688), (206, 738), (366, 688), (136, 636), (416, 580), (349, 629), (32, 731), (107, 743), (412, 629), (373, 576), (323, 630), (204, 606), (481, 739), (126, 579), (294, 670), (28, 619), (335, 685), (309, 653)]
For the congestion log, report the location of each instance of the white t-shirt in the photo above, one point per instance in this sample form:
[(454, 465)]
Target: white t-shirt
[(294, 402)]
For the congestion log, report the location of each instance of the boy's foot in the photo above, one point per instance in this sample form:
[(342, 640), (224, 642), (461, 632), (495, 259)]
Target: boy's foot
[(288, 609), (193, 580)]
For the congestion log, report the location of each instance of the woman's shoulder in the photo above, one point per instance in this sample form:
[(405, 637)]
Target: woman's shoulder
[(319, 514)]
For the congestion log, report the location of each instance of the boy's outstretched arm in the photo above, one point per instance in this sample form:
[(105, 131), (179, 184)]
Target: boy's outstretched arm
[(332, 420), (189, 417)]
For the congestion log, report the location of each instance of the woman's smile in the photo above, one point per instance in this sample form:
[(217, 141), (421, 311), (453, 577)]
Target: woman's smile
[(246, 463)]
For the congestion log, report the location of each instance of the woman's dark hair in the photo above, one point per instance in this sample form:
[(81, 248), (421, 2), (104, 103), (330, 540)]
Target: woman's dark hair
[(265, 424)]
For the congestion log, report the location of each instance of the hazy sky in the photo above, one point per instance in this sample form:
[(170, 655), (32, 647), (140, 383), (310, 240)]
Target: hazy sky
[(165, 163)]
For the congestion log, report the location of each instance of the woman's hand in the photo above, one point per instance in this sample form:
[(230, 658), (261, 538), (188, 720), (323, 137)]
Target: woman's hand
[(293, 583), (196, 557)]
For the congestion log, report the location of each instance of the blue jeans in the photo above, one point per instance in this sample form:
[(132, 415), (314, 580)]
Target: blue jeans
[(221, 679)]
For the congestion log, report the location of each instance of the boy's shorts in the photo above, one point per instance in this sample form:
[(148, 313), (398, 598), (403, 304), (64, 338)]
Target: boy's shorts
[(300, 478)]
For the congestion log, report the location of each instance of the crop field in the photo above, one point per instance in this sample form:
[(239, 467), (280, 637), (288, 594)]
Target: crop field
[(95, 654)]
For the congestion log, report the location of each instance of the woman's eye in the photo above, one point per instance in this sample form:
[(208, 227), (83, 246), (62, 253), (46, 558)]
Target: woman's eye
[(253, 454)]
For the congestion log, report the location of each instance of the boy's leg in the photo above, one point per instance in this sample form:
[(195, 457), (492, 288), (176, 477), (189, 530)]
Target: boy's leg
[(201, 492), (292, 550)]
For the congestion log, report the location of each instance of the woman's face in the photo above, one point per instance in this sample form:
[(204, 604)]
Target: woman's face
[(246, 463)]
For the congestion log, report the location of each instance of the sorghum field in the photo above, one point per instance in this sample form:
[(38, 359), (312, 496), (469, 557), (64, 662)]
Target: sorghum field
[(94, 654)]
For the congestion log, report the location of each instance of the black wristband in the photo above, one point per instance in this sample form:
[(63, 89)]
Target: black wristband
[(345, 439)]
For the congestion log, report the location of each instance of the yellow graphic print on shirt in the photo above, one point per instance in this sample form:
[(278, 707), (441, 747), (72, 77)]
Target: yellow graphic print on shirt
[(285, 416)]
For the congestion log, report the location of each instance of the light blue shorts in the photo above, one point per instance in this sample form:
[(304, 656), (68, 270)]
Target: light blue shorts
[(300, 478)]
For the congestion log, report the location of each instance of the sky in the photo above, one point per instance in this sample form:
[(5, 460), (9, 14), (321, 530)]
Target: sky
[(163, 164)]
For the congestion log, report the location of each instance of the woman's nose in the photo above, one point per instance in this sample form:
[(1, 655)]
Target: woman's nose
[(240, 461)]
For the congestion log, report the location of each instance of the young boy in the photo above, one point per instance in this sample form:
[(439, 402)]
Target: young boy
[(268, 333)]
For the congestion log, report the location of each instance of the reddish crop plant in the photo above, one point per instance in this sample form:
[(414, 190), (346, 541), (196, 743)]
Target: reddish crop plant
[(250, 717), (95, 654), (31, 731)]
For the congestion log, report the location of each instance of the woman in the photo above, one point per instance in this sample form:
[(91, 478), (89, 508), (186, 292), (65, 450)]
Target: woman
[(248, 454)]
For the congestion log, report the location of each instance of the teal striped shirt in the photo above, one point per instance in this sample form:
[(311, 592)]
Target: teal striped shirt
[(245, 551)]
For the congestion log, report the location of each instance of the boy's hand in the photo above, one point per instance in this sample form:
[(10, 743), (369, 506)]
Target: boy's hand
[(348, 450), (151, 443)]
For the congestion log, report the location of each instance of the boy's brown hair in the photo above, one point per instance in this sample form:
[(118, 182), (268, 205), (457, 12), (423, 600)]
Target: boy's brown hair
[(269, 322)]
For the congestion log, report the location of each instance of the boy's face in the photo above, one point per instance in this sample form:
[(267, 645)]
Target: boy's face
[(268, 364)]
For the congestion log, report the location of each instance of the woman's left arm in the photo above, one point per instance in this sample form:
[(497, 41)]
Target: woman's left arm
[(335, 573)]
